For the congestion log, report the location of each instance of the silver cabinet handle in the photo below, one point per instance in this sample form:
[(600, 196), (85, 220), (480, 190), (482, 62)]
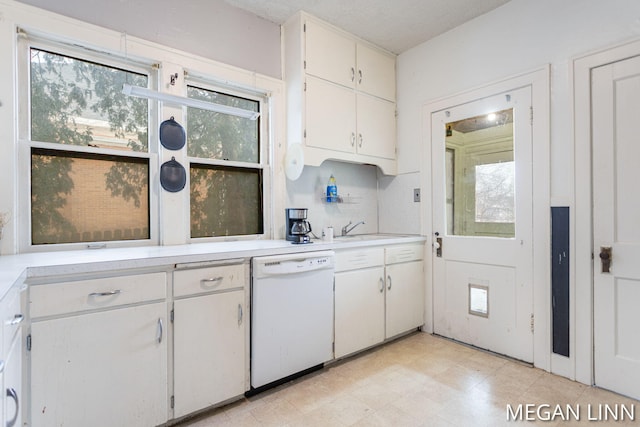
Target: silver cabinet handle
[(105, 294), (211, 280), (17, 319), (359, 76), (381, 281), (353, 74), (12, 394), (240, 314), (360, 140), (160, 331), (353, 139), (389, 279)]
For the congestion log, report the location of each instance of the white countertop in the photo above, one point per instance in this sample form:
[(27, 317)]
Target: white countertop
[(17, 268)]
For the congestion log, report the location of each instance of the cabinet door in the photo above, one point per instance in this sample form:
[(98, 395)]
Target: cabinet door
[(405, 297), (376, 72), (100, 369), (330, 116), (329, 54), (376, 127), (12, 393), (209, 350), (359, 310)]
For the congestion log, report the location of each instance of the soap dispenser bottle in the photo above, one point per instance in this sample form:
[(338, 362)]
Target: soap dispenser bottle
[(332, 190)]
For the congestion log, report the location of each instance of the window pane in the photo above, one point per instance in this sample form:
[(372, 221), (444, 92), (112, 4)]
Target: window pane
[(81, 103), (225, 201), (481, 176), (86, 198), (495, 192), (212, 135)]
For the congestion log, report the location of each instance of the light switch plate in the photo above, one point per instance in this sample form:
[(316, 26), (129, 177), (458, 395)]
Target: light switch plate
[(416, 194)]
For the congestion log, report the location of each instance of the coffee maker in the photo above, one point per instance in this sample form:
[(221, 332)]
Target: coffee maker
[(298, 228)]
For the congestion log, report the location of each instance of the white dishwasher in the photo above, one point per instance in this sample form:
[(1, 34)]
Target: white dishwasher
[(291, 314)]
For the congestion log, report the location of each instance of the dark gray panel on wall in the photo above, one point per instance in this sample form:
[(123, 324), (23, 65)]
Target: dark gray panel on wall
[(560, 279)]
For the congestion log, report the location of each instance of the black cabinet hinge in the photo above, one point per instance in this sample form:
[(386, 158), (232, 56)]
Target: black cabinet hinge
[(29, 342), (172, 315), (173, 402)]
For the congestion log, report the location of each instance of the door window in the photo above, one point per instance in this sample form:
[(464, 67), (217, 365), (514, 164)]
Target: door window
[(480, 173)]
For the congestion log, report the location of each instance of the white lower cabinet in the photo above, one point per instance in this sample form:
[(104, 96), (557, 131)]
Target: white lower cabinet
[(359, 310), (404, 268), (105, 363), (210, 337), (379, 294), (11, 396), (405, 297)]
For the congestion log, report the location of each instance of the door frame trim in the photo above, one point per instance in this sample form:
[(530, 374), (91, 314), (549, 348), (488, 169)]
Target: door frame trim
[(538, 80), (582, 283)]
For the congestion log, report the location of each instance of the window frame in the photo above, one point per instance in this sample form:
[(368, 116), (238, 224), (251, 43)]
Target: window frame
[(25, 143), (264, 152), (165, 209)]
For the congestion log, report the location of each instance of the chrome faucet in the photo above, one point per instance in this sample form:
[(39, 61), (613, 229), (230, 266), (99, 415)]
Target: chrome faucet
[(346, 229)]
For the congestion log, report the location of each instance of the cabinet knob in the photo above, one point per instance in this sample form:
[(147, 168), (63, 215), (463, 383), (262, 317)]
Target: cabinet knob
[(353, 74), (359, 76), (389, 280)]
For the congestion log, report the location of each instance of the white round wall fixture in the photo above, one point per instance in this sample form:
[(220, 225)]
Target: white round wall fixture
[(294, 161)]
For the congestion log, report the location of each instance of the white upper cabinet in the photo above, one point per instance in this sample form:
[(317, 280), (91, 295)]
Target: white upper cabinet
[(329, 54), (376, 72), (340, 95), (339, 58)]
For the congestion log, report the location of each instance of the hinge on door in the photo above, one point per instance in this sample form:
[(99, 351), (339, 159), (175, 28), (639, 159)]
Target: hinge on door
[(29, 342), (531, 114), (304, 28), (304, 65), (334, 284), (173, 401), (305, 133), (305, 86), (172, 315), (532, 323)]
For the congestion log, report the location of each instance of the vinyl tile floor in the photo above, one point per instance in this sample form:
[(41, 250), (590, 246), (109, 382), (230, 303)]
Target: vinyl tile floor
[(426, 380)]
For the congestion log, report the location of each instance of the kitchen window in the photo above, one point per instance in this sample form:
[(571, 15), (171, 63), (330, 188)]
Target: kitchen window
[(90, 155), (226, 168), (87, 148)]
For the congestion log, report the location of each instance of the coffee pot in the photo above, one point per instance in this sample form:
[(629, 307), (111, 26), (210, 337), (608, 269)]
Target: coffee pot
[(297, 226)]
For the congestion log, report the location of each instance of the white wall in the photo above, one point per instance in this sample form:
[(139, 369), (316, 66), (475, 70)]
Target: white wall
[(357, 185), (518, 37), (209, 28)]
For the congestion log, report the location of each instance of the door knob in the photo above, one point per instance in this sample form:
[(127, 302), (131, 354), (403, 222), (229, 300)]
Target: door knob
[(438, 245), (605, 258)]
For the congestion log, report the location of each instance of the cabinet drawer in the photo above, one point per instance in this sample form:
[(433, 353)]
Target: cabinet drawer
[(12, 314), (404, 253), (353, 259), (69, 297), (199, 280)]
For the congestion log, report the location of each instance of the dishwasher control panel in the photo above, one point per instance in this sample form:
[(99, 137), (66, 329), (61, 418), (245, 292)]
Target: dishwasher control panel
[(292, 263)]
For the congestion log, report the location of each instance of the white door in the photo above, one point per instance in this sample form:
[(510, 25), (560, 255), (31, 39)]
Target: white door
[(359, 309), (616, 225), (376, 127), (482, 218), (208, 350), (101, 369)]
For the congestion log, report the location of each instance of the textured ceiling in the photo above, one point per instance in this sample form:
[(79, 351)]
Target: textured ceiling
[(396, 25)]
